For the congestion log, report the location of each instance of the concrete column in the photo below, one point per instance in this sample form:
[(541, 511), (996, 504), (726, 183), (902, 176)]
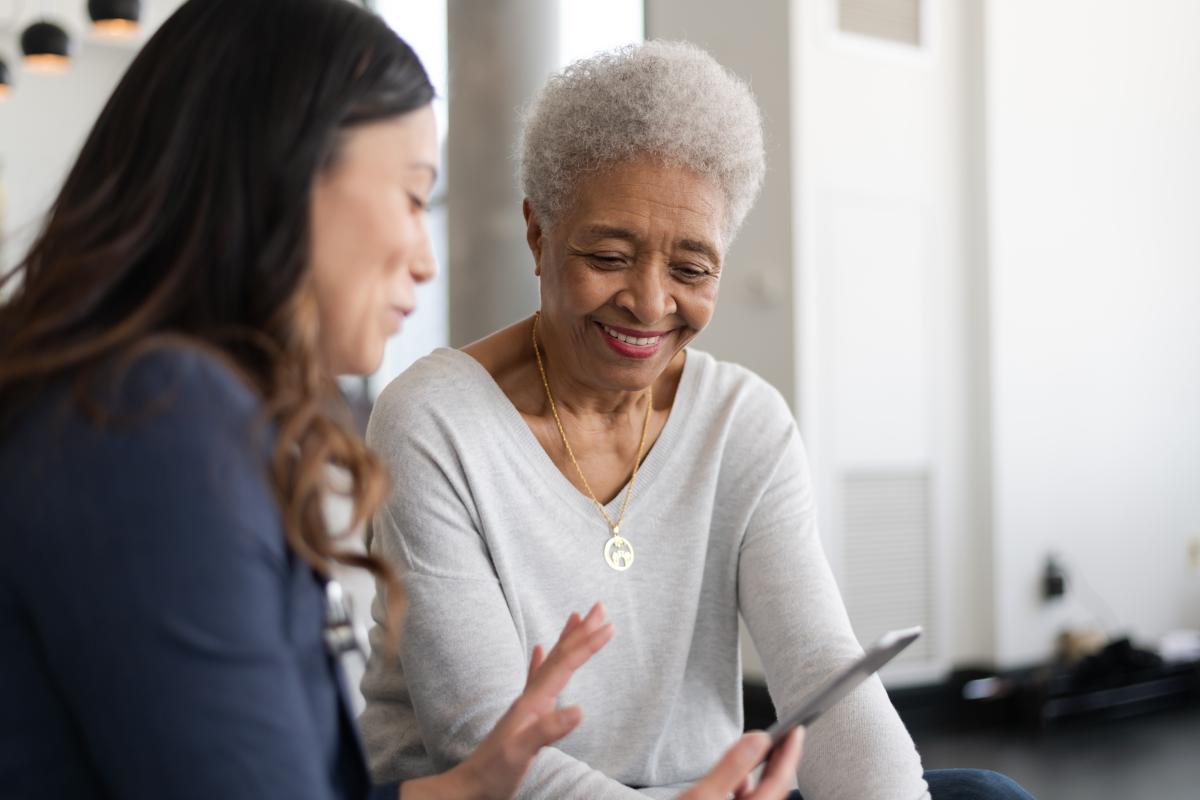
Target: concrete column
[(500, 54)]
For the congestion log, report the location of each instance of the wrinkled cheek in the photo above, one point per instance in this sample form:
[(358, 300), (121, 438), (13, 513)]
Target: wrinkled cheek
[(697, 316), (571, 287)]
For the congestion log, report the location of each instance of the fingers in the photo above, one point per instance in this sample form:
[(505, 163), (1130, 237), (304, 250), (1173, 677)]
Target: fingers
[(777, 778), (564, 659), (578, 643), (744, 788), (549, 673), (733, 773), (497, 766), (539, 653), (576, 629), (734, 767), (532, 722), (579, 629), (546, 730), (572, 623), (535, 662)]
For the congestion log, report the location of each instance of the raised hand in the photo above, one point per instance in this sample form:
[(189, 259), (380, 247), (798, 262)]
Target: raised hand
[(495, 769)]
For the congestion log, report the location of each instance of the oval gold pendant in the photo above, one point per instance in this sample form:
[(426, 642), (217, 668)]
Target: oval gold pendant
[(618, 552)]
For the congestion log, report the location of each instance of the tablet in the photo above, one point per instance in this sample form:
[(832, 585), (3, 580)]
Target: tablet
[(841, 684)]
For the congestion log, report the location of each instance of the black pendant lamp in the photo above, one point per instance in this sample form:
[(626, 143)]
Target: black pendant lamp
[(5, 80), (47, 47), (115, 17)]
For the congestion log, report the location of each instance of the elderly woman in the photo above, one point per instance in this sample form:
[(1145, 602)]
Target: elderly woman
[(587, 452)]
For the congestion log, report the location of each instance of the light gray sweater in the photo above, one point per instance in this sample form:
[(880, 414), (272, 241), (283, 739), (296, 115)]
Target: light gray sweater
[(495, 547)]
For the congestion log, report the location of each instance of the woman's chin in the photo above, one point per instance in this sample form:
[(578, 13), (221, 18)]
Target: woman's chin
[(371, 365), (362, 363), (628, 375)]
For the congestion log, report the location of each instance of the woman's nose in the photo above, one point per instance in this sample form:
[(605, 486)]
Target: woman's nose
[(647, 295), (424, 263)]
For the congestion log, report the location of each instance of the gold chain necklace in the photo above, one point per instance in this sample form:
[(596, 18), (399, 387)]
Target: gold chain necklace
[(618, 552)]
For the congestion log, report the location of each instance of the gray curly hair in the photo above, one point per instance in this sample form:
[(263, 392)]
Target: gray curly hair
[(668, 100)]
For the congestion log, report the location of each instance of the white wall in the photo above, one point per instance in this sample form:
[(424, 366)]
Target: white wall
[(42, 125), (1094, 162), (887, 251), (45, 120), (423, 27)]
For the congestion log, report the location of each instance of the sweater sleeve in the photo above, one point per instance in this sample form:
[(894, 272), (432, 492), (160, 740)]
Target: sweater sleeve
[(163, 616), (461, 660), (859, 750)]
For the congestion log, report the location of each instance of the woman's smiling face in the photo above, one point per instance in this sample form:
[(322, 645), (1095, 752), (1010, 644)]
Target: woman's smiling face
[(370, 244), (629, 274)]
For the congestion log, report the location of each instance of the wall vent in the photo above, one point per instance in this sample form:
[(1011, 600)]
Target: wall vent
[(887, 569), (892, 20)]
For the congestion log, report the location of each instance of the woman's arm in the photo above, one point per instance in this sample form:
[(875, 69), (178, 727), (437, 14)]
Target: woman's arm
[(795, 614)]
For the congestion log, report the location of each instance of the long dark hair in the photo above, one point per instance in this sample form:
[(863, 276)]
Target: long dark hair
[(186, 218)]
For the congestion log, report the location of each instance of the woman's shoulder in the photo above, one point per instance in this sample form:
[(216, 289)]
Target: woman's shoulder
[(179, 388), (186, 395), (163, 417), (737, 417), (173, 434), (186, 379), (730, 388), (445, 382)]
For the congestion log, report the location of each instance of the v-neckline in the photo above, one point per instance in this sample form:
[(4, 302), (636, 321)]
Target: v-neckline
[(541, 461)]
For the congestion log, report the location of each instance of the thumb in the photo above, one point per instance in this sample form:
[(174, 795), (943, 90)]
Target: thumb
[(734, 766)]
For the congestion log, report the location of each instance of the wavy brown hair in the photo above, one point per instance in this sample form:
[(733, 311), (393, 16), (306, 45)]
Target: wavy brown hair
[(185, 220)]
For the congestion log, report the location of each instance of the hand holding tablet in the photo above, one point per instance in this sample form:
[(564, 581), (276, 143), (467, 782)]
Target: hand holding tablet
[(841, 684)]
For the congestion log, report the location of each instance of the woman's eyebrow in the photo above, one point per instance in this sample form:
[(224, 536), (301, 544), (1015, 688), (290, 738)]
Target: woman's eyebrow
[(611, 232), (703, 248), (433, 171)]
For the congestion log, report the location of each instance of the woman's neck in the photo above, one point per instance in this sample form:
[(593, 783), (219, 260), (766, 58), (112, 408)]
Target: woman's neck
[(587, 403)]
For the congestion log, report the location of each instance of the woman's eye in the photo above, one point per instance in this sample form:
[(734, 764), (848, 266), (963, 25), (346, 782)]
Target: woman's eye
[(608, 261), (417, 203), (691, 273)]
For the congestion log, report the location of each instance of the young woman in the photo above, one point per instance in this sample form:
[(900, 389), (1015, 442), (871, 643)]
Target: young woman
[(244, 222)]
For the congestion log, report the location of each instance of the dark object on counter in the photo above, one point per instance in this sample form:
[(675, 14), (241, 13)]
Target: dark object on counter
[(1118, 681)]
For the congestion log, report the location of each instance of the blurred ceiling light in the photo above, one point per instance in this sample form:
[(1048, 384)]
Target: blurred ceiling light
[(115, 18), (47, 47), (5, 80)]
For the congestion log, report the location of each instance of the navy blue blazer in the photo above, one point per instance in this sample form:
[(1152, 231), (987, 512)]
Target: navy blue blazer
[(158, 638)]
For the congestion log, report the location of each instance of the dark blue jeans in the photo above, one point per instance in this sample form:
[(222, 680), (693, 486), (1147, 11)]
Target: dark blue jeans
[(967, 784)]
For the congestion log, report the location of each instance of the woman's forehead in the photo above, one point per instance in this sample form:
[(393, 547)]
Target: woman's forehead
[(634, 202)]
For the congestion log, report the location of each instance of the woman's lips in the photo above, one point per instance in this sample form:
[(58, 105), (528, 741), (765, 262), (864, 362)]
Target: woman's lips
[(630, 343), (396, 315)]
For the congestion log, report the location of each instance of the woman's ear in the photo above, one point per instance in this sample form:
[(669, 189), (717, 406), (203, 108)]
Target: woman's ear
[(533, 235)]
